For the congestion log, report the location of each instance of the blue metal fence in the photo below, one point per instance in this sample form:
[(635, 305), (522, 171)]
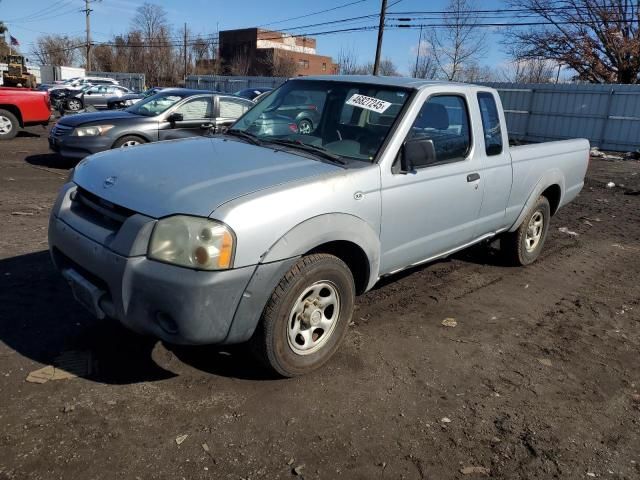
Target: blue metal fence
[(230, 84), (608, 115)]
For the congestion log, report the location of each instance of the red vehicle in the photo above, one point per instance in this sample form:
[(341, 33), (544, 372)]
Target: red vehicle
[(19, 108)]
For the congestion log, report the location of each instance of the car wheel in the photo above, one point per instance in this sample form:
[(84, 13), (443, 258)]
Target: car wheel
[(8, 125), (305, 127), (128, 141), (74, 104), (523, 246), (307, 316)]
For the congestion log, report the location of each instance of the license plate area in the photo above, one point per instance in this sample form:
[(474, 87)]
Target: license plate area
[(85, 292)]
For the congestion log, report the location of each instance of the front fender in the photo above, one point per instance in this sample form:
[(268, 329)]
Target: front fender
[(552, 177), (326, 228)]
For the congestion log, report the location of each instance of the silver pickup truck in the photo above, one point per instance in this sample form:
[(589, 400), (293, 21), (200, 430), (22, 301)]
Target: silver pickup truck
[(268, 232)]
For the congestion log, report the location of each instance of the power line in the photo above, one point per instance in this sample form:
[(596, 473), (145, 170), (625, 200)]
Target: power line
[(314, 13)]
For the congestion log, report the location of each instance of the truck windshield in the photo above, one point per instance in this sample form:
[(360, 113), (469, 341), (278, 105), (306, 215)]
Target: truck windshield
[(155, 104), (345, 119)]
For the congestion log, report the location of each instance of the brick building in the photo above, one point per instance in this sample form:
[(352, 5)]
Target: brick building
[(254, 51)]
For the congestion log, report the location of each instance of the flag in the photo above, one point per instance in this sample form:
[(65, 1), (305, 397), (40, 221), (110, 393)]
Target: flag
[(14, 41)]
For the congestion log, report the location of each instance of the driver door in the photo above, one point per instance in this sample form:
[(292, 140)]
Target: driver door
[(434, 209), (193, 117)]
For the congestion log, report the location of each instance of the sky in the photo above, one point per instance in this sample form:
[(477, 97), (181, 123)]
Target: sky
[(28, 20)]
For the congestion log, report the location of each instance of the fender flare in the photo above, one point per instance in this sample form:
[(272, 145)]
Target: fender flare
[(326, 228), (552, 177)]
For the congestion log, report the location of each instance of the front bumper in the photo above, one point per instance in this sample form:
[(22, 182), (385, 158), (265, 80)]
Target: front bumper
[(111, 275), (70, 146)]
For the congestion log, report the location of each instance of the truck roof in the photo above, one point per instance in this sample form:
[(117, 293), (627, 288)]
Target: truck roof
[(405, 82)]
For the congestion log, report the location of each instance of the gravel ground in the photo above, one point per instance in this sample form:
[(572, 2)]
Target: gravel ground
[(539, 379)]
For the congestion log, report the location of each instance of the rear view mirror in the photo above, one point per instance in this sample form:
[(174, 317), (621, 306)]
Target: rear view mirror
[(175, 117), (417, 153)]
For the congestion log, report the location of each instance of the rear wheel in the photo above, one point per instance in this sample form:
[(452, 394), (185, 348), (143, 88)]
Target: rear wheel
[(8, 125), (305, 127), (128, 141), (523, 246), (307, 316)]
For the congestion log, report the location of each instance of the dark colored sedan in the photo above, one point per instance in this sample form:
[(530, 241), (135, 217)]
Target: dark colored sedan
[(127, 100), (169, 114), (252, 93)]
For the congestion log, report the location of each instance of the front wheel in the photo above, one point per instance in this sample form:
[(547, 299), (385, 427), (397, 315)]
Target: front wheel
[(128, 141), (307, 316), (523, 246), (74, 104)]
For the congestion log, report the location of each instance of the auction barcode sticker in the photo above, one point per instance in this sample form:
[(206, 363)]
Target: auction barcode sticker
[(368, 103)]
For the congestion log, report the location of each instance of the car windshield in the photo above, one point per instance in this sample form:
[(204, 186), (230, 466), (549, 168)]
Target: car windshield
[(156, 104), (345, 119)]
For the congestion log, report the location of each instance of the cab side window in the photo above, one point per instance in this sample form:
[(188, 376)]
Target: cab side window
[(490, 123), (444, 119), (196, 108)]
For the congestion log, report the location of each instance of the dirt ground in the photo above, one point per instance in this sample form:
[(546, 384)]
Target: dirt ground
[(539, 379)]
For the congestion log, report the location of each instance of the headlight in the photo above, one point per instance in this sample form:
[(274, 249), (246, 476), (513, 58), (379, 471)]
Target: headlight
[(192, 242), (92, 131)]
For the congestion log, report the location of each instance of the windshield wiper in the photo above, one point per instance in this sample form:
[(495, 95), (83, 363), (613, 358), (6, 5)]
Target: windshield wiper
[(242, 134), (317, 149)]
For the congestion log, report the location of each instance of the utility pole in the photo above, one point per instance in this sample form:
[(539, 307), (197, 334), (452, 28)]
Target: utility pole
[(415, 72), (87, 12), (383, 11), (184, 53)]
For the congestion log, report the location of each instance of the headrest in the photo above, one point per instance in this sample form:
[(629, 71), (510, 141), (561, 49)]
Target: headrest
[(433, 115)]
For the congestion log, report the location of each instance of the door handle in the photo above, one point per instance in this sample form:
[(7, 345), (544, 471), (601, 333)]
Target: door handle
[(204, 126), (472, 177)]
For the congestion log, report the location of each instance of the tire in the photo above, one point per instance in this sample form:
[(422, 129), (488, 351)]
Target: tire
[(128, 141), (290, 339), (8, 125), (523, 246), (305, 126), (74, 104)]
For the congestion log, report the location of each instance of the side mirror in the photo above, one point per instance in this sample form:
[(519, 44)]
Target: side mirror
[(417, 153), (175, 117)]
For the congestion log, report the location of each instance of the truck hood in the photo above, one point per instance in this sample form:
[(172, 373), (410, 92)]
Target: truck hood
[(94, 117), (190, 176)]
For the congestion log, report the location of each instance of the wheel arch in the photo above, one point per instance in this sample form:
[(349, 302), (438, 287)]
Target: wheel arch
[(348, 237), (137, 134), (551, 185)]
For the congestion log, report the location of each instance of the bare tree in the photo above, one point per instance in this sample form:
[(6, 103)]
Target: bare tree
[(476, 73), (425, 65), (4, 48), (240, 64), (530, 70), (387, 68), (57, 50), (347, 61), (279, 64), (459, 41), (599, 39)]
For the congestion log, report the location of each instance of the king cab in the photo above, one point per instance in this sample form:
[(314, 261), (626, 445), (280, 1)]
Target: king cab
[(266, 234)]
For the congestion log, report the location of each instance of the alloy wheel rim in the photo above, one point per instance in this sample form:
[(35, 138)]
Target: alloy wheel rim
[(74, 105), (313, 318), (304, 127), (5, 125), (534, 231), (129, 143)]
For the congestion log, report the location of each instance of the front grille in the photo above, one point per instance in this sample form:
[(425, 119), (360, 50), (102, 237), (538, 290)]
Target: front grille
[(61, 130), (99, 211)]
